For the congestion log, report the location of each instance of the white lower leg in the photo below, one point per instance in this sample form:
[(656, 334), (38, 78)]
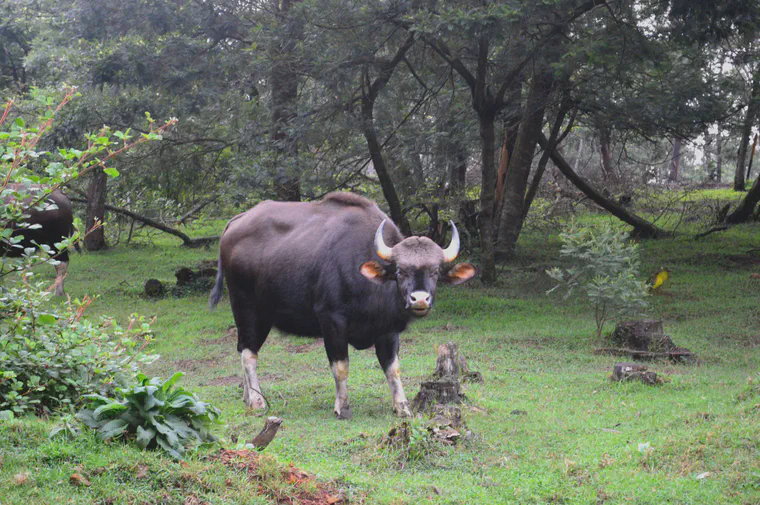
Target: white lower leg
[(340, 374), (60, 274), (400, 403), (251, 388)]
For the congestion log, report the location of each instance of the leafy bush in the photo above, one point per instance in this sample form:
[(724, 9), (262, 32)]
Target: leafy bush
[(606, 266), (154, 414), (49, 358)]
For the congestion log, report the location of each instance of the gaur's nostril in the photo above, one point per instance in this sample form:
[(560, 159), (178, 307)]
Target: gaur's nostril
[(419, 299)]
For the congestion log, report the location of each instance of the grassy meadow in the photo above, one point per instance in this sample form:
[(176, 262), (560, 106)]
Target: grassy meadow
[(548, 427)]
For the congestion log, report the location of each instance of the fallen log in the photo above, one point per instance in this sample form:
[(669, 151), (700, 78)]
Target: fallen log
[(627, 372), (677, 355), (187, 241)]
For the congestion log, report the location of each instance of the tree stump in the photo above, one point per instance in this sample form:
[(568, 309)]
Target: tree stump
[(189, 280), (154, 288), (645, 340), (467, 374), (267, 433), (622, 372), (444, 387), (646, 335)]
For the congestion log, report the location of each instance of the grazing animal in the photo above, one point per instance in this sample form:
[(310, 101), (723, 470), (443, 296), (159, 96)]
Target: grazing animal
[(55, 220), (337, 268)]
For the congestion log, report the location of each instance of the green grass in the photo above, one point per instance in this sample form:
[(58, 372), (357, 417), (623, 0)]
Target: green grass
[(535, 354)]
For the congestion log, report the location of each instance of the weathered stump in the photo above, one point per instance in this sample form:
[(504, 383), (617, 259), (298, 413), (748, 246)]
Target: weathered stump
[(198, 279), (644, 335), (467, 374), (444, 387), (622, 372), (154, 288), (645, 340), (266, 435)]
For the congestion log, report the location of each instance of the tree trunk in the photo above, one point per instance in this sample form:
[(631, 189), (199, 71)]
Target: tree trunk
[(673, 175), (749, 119), (608, 170), (743, 212), (369, 95), (553, 137), (376, 154), (522, 159), (284, 80), (578, 154), (507, 153), (641, 228), (487, 196), (751, 158), (709, 172), (95, 240), (718, 157)]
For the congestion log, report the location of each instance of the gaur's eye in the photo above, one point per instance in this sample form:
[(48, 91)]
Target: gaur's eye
[(434, 273), (402, 273)]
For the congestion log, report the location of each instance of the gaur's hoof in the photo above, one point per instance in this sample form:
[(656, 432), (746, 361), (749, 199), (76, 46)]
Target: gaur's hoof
[(254, 401), (403, 410), (344, 413)]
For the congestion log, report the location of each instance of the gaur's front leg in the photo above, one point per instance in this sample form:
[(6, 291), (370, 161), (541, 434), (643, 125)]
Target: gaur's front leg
[(386, 348), (336, 346)]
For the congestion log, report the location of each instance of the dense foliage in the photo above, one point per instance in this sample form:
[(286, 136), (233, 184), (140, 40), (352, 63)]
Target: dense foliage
[(51, 355), (154, 414), (436, 110)]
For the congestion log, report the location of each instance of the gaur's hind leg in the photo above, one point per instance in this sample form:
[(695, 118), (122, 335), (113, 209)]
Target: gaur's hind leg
[(386, 349), (253, 329), (60, 274)]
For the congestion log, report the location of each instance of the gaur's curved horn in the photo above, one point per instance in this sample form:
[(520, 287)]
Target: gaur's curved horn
[(383, 250), (452, 251)]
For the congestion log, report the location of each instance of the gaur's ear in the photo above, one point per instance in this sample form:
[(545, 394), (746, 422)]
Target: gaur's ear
[(459, 273), (376, 272)]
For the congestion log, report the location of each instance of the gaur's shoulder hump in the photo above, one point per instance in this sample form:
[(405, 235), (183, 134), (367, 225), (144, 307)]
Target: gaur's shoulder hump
[(348, 199)]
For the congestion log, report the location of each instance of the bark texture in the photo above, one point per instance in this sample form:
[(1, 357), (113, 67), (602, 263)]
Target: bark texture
[(519, 168), (749, 119), (675, 161), (95, 239)]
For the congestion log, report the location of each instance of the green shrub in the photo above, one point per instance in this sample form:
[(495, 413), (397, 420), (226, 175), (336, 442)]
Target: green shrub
[(49, 358), (605, 269), (153, 415)]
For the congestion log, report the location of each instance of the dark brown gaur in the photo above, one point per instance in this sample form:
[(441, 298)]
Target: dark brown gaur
[(338, 269), (55, 218)]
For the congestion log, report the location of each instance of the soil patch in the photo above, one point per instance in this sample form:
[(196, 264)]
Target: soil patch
[(294, 487), (195, 365), (228, 338), (225, 381), (317, 343), (725, 260)]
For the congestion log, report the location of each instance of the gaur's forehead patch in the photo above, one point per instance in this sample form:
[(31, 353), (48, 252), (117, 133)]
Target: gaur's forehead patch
[(417, 252)]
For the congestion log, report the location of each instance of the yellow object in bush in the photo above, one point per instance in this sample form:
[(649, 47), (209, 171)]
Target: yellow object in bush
[(659, 278)]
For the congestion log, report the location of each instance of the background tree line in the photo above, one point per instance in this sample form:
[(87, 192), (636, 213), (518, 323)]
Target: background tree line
[(464, 110)]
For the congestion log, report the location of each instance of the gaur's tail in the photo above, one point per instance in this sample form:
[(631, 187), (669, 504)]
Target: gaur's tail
[(216, 292)]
